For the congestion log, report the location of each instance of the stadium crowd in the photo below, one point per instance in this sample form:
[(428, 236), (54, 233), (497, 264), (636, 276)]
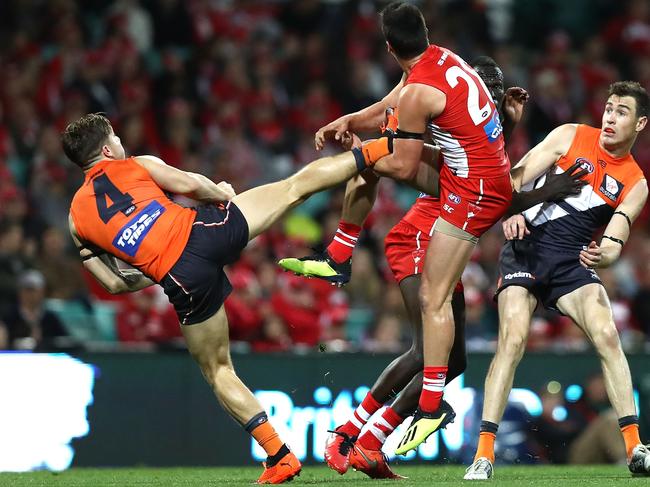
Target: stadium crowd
[(235, 90)]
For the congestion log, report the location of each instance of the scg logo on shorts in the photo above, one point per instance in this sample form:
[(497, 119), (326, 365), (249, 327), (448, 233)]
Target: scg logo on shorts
[(514, 275), (585, 164), (454, 198), (130, 236)]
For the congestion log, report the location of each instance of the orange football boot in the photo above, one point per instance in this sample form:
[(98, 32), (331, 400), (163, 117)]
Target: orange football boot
[(285, 470)]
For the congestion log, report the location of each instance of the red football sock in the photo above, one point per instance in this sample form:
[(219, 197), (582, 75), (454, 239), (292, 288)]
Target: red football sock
[(344, 241), (375, 437), (361, 415), (433, 384)]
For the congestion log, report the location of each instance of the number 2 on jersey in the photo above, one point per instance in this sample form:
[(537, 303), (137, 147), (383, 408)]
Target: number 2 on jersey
[(478, 114), (104, 187)]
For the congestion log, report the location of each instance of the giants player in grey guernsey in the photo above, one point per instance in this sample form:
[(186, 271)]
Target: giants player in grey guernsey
[(553, 261)]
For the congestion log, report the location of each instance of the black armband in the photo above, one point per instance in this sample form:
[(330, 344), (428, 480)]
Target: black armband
[(359, 159), (614, 239), (402, 134), (94, 252), (629, 222)]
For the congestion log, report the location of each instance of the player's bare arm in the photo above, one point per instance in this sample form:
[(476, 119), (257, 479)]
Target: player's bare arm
[(556, 187), (193, 185), (541, 157), (426, 176), (617, 231), (104, 268), (417, 105), (365, 120)]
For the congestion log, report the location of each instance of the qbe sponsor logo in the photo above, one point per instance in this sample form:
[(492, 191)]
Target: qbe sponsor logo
[(130, 236)]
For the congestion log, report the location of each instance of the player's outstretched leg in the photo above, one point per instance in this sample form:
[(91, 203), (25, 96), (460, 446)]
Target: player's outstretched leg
[(265, 205), (589, 307), (209, 345), (516, 306), (334, 264)]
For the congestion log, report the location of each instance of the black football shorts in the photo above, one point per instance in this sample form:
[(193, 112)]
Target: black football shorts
[(197, 285)]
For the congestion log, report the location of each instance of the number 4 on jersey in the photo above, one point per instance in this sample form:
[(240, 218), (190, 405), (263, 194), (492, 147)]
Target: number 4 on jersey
[(105, 190)]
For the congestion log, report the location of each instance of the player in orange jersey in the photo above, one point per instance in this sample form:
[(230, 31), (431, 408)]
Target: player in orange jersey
[(553, 261), (122, 212)]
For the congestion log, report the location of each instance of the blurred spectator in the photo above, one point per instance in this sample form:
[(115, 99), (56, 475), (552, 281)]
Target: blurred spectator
[(385, 336), (365, 287), (28, 324), (557, 426), (549, 105), (296, 304), (601, 440), (235, 90), (13, 262), (274, 336), (244, 306), (146, 316), (61, 271)]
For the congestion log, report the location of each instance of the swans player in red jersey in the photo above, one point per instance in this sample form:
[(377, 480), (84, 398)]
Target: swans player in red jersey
[(442, 94), (405, 247)]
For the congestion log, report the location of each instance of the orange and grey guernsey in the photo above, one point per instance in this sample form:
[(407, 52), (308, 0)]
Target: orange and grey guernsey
[(120, 209), (571, 223)]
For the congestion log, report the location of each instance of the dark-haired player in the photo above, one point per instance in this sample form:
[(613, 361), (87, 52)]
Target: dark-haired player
[(405, 248), (122, 212), (553, 261), (443, 94)]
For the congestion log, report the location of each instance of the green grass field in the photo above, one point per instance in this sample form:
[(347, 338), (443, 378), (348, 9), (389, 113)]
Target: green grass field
[(556, 476)]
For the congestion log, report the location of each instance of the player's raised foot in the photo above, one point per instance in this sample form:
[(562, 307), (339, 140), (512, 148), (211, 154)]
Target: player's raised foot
[(372, 462), (481, 469), (337, 450), (423, 425), (319, 265), (639, 462), (278, 471)]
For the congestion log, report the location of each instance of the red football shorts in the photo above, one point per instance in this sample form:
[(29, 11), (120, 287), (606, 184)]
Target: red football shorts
[(473, 205), (405, 248)]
